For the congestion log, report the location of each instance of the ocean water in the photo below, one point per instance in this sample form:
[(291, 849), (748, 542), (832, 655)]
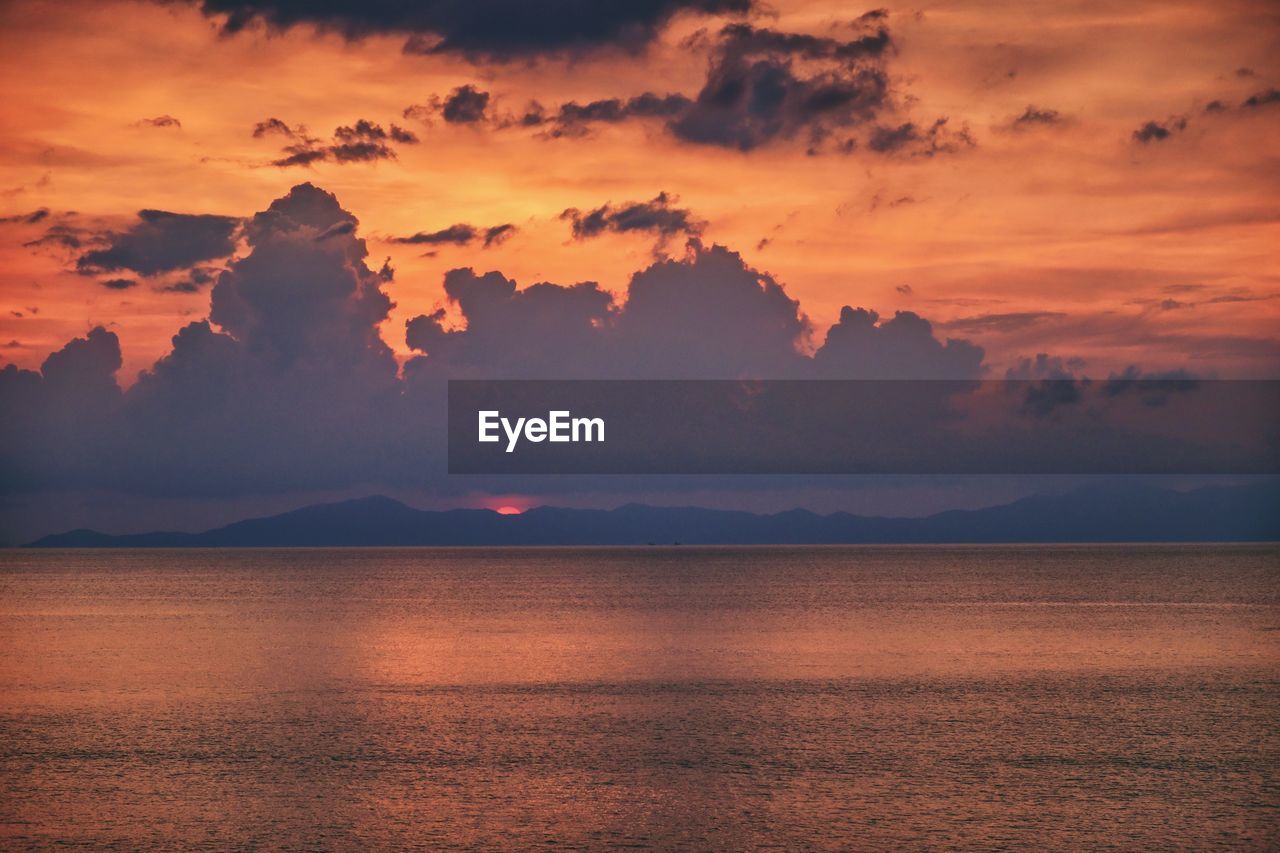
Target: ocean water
[(707, 698)]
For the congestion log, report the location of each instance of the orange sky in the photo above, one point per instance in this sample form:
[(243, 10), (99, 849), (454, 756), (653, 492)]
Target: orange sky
[(1162, 254)]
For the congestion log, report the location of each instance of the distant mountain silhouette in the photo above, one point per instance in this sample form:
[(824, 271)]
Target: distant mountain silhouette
[(1099, 514)]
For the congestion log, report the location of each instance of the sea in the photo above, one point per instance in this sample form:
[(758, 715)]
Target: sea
[(851, 698)]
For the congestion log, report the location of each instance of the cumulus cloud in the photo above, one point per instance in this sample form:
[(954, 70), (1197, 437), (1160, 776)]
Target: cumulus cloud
[(289, 385), (496, 30), (860, 346), (160, 241)]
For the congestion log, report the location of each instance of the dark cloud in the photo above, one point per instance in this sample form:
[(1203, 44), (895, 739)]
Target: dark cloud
[(860, 346), (1154, 131), (362, 142), (764, 85), (459, 234), (275, 125), (1046, 384), (465, 105), (361, 152), (909, 138), (657, 216), (301, 155), (1262, 99), (38, 215), (162, 241), (499, 30), (61, 235), (573, 119), (288, 385), (535, 331), (904, 289), (119, 283), (367, 131), (1034, 116), (160, 121), (498, 234), (1045, 366)]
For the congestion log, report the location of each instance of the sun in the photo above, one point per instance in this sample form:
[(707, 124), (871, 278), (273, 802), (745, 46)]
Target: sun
[(508, 510)]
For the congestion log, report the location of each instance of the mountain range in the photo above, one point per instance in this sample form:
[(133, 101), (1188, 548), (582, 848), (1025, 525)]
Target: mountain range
[(1111, 513)]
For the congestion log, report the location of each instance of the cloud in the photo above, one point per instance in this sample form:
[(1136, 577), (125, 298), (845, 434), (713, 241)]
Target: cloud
[(765, 85), (658, 216), (1007, 322), (159, 121), (61, 235), (289, 385), (274, 125), (1034, 116), (1045, 366), (574, 119), (119, 283), (362, 142), (459, 234), (159, 242), (1264, 98), (909, 138), (1154, 131), (465, 105), (860, 346), (35, 216), (494, 30)]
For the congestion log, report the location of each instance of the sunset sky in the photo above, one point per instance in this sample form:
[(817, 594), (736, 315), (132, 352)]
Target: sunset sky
[(1097, 182)]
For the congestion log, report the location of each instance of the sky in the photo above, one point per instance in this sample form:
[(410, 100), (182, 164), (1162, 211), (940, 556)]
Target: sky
[(487, 189)]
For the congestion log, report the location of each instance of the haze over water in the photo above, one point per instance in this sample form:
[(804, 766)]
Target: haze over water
[(1059, 696)]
